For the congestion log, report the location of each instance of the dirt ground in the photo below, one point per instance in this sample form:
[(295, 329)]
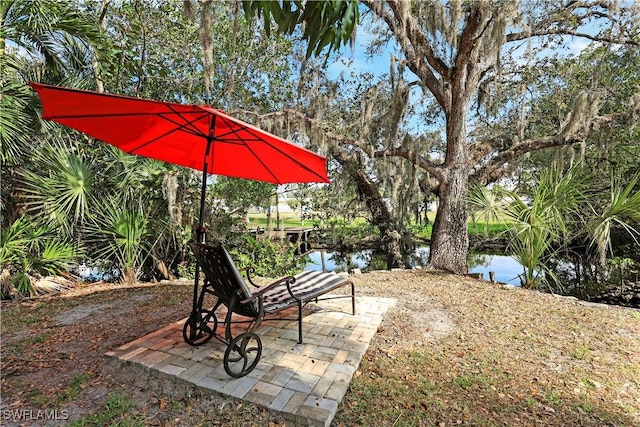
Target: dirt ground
[(53, 355)]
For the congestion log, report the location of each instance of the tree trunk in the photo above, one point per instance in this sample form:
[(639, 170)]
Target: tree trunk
[(95, 65), (390, 232), (450, 239), (269, 226)]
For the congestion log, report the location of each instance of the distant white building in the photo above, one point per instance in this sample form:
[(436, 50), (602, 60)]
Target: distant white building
[(283, 205)]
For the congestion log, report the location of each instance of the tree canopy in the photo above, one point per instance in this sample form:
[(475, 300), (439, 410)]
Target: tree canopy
[(461, 54), (475, 93)]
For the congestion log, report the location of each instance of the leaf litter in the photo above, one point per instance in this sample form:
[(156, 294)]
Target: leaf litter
[(452, 350)]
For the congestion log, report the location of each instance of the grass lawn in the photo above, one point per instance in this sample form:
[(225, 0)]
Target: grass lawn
[(292, 219)]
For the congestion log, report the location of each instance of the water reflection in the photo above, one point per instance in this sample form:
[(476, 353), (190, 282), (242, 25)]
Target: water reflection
[(583, 278), (506, 268), (338, 261)]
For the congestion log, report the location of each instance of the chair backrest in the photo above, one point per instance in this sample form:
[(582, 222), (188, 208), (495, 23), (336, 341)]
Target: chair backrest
[(224, 277)]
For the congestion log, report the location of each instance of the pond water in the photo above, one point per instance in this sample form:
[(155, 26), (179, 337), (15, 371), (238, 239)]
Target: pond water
[(93, 271), (506, 268)]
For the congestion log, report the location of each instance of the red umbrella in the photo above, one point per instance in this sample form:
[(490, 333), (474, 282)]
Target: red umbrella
[(194, 136)]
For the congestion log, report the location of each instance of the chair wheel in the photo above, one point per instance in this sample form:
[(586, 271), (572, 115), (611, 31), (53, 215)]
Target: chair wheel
[(196, 331), (242, 354)]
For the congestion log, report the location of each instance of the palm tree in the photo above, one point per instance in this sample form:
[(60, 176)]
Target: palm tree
[(44, 41), (487, 203), (56, 34), (120, 233), (540, 225), (560, 210), (40, 40), (47, 41), (156, 184)]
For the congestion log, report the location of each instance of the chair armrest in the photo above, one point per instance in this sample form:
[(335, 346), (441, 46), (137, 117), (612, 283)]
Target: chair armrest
[(288, 280), (247, 272)]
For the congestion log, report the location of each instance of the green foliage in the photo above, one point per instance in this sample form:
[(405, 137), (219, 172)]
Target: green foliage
[(112, 414), (41, 41), (29, 247), (326, 23), (60, 185), (267, 257), (260, 221), (560, 208), (539, 223), (45, 41), (36, 246), (120, 232), (611, 77), (486, 203), (238, 195), (75, 388), (621, 209), (128, 171), (245, 70), (18, 116), (50, 32)]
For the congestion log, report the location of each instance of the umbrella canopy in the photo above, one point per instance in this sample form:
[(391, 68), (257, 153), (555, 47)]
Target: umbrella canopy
[(194, 136)]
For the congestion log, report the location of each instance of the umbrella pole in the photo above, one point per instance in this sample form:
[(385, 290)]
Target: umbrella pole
[(201, 231), (200, 238)]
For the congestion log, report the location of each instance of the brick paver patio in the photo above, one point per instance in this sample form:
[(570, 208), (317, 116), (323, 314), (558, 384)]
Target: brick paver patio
[(305, 383)]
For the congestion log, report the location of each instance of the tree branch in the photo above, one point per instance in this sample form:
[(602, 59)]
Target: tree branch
[(567, 14), (547, 32), (407, 33), (420, 161), (500, 163)]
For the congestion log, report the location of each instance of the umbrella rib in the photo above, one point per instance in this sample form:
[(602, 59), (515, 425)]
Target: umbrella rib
[(182, 126), (188, 123), (187, 127), (293, 159), (93, 116), (243, 142)]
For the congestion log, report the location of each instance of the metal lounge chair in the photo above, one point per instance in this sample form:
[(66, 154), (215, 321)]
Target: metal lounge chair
[(226, 284)]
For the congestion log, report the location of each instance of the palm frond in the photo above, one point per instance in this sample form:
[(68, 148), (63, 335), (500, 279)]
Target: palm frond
[(622, 210), (60, 187), (30, 247), (538, 224)]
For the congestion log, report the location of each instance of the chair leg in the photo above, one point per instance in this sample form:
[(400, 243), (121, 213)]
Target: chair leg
[(299, 322), (227, 320), (353, 298)]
